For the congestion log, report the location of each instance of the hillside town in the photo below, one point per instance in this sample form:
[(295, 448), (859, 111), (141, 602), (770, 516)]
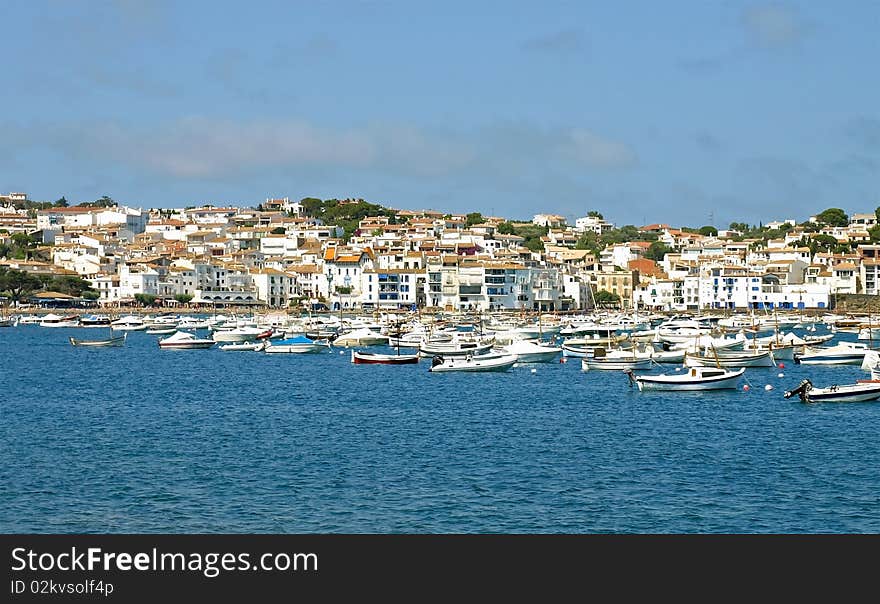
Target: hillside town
[(350, 254)]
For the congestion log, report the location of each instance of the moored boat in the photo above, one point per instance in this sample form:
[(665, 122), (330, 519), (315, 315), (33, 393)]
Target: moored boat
[(482, 362), (296, 344), (185, 340), (529, 351), (863, 391), (53, 320), (844, 353), (696, 378), (731, 359), (370, 358), (242, 346), (114, 341)]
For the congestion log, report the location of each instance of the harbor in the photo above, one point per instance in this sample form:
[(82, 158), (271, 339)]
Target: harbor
[(136, 438)]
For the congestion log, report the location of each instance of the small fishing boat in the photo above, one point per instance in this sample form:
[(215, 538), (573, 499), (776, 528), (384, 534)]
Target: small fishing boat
[(455, 349), (114, 341), (296, 344), (730, 359), (615, 363), (370, 358), (862, 391), (242, 346), (483, 362), (696, 378), (160, 331), (185, 340)]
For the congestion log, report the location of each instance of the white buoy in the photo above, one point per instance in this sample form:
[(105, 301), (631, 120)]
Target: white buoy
[(534, 371), (781, 375), (768, 387), (341, 352)]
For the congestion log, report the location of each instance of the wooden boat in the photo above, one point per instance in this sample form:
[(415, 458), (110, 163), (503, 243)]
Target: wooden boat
[(114, 341), (161, 331), (730, 359), (696, 378), (370, 358), (455, 349), (615, 363), (862, 391), (483, 362)]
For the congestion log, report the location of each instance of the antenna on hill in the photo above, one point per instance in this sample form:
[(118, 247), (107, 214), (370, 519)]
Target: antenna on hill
[(711, 217)]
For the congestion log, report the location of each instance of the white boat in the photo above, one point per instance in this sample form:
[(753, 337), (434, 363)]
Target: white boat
[(112, 341), (371, 358), (455, 349), (862, 391), (161, 331), (184, 339), (730, 359), (296, 344), (361, 337), (128, 323), (844, 353), (483, 362), (528, 351), (615, 363), (94, 321), (242, 346), (696, 378), (53, 320), (238, 334)]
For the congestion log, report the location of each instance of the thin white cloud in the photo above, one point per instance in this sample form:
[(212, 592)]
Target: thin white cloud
[(774, 26)]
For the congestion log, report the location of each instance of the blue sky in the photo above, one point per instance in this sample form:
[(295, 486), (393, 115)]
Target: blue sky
[(684, 112)]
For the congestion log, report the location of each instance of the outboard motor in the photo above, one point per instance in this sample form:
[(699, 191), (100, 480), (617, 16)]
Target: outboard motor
[(437, 360), (801, 389)]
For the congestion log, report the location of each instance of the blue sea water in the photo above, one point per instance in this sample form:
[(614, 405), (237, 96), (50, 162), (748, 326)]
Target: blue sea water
[(138, 439)]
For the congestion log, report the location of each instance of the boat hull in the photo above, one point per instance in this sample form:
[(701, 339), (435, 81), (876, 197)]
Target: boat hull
[(614, 364), (98, 343), (360, 358)]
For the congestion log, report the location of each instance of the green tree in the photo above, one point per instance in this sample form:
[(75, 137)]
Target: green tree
[(833, 217), (603, 297), (658, 251), (595, 214), (145, 299), (18, 284), (874, 232), (278, 231), (589, 241), (822, 242), (708, 231), (473, 218), (506, 228), (183, 298), (61, 203)]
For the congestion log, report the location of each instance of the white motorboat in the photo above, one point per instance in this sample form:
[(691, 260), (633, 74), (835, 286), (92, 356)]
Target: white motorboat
[(844, 353), (862, 391), (296, 344), (243, 333), (242, 346), (696, 378), (53, 320), (483, 362), (361, 337), (128, 323), (94, 321), (185, 340), (455, 348), (529, 351)]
